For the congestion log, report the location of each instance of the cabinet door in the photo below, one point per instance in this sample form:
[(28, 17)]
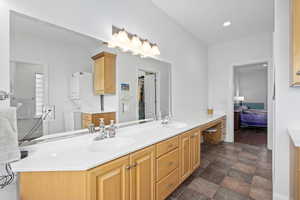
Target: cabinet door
[(195, 149), (99, 76), (185, 155), (109, 181), (142, 174), (296, 44)]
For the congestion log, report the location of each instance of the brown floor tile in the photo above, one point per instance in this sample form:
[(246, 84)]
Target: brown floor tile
[(251, 136), (227, 173), (241, 176), (204, 163), (236, 185), (226, 194), (213, 175), (247, 161), (204, 187), (266, 173), (248, 169), (260, 182), (260, 194), (264, 165), (189, 194), (248, 156)]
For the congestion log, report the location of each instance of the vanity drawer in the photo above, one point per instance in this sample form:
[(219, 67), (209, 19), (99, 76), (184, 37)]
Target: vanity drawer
[(167, 185), (167, 146), (166, 164)]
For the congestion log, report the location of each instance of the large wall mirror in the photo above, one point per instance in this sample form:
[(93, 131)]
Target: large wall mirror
[(52, 77)]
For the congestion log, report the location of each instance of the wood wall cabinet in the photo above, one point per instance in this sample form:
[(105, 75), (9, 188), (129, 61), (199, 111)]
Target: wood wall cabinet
[(104, 73), (88, 118), (295, 43)]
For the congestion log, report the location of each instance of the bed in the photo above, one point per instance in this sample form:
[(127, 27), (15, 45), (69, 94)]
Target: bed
[(253, 115)]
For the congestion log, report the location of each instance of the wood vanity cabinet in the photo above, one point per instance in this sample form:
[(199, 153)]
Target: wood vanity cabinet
[(142, 174), (190, 144), (152, 173), (195, 149), (104, 73), (109, 181), (88, 118), (131, 177), (295, 43)]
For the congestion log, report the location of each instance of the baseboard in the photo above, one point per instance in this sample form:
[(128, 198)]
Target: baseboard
[(277, 196)]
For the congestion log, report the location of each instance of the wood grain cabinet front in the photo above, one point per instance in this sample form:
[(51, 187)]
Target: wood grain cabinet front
[(109, 181), (195, 149), (142, 174), (295, 43), (104, 73)]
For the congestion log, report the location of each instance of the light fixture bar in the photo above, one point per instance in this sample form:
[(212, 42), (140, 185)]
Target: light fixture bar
[(126, 41)]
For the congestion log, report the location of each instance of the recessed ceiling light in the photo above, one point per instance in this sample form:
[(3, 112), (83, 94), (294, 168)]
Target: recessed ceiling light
[(227, 23)]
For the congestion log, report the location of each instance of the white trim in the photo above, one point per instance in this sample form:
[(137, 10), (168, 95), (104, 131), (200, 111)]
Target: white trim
[(230, 109)]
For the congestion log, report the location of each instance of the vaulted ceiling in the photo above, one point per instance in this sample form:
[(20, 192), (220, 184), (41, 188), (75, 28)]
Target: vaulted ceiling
[(205, 18)]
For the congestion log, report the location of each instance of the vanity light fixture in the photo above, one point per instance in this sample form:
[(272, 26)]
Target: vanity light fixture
[(133, 43), (227, 23)]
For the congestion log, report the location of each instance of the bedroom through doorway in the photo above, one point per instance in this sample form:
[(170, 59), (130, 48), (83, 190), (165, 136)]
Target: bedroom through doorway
[(251, 104)]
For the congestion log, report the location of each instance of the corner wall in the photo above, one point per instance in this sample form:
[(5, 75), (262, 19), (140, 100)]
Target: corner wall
[(221, 59), (287, 102)]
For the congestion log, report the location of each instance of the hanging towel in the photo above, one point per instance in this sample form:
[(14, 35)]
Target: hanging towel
[(9, 150)]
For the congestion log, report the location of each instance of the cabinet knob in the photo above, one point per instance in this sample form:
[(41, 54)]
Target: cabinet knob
[(171, 163), (134, 165), (298, 73), (128, 167)]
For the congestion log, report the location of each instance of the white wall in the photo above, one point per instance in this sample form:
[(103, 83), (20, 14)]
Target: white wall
[(95, 18), (253, 84), (287, 101), (222, 58)]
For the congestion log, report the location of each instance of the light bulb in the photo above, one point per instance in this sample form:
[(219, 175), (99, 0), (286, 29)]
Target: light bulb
[(123, 37), (155, 50), (146, 48), (136, 42)]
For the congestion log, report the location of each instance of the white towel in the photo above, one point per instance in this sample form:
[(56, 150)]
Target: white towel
[(9, 150)]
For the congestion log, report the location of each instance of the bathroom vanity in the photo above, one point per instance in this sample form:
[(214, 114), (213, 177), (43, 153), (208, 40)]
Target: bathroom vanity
[(144, 162)]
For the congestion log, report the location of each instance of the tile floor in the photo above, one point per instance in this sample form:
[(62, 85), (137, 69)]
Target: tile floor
[(229, 172), (252, 136)]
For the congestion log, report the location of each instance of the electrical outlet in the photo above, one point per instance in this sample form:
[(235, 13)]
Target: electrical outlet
[(49, 113)]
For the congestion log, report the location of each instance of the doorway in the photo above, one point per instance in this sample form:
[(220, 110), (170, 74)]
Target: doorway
[(250, 104), (147, 94)]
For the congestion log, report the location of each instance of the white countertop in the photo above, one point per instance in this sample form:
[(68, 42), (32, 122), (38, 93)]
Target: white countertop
[(83, 153), (295, 136)]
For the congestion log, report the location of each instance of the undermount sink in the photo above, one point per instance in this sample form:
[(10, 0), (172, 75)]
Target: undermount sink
[(176, 125), (110, 144)]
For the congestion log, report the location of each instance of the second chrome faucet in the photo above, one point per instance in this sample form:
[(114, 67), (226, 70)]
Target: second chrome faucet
[(104, 132)]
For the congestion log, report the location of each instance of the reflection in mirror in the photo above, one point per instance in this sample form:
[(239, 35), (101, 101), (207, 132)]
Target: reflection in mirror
[(64, 81)]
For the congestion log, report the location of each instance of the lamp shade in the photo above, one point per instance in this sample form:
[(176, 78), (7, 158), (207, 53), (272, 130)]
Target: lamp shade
[(239, 98)]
